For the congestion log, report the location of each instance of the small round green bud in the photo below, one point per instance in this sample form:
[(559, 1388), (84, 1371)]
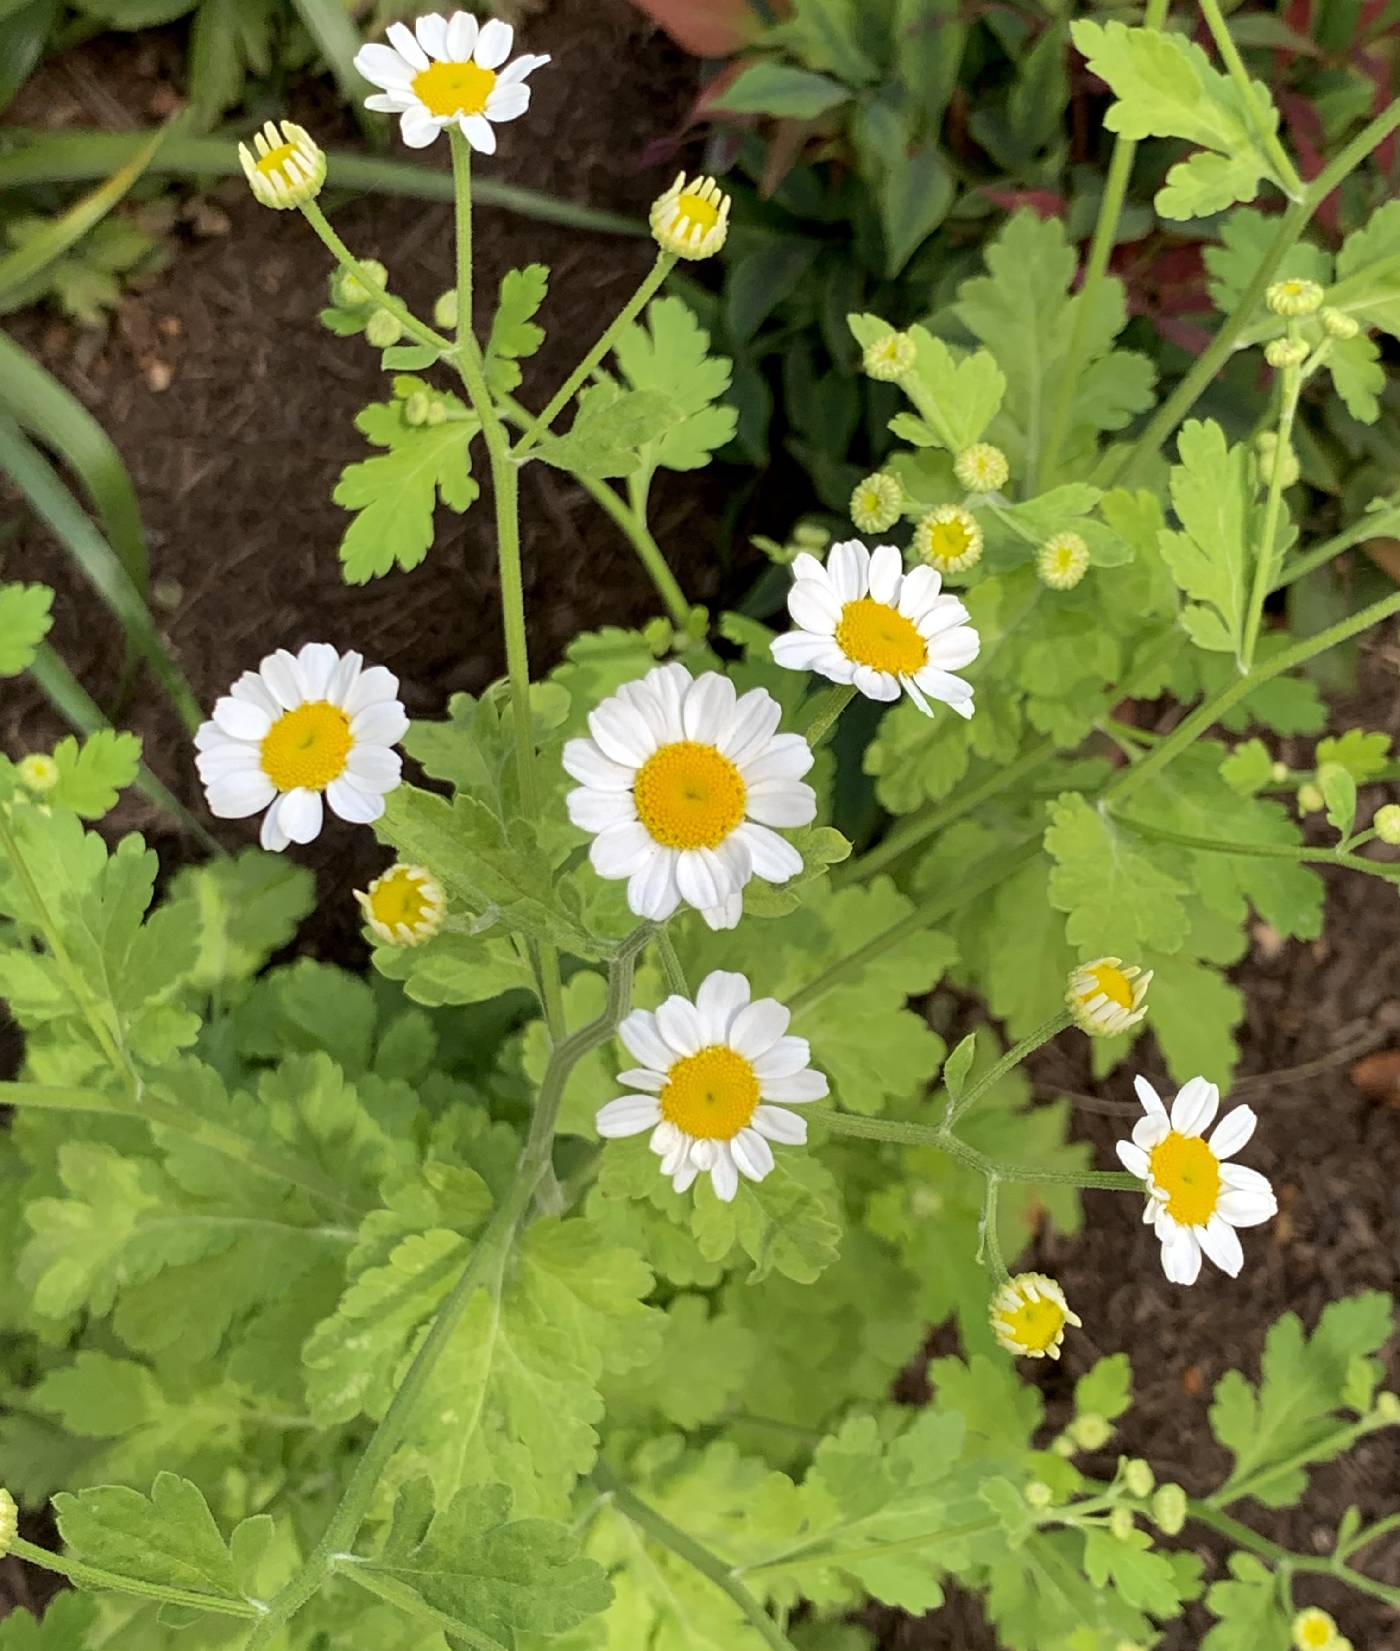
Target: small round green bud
[(877, 503), (1387, 825), (38, 773), (383, 329), (1063, 1445), (1387, 1406), (1038, 1494), (811, 536), (445, 310), (1062, 561), (1266, 454), (1279, 773), (350, 292), (981, 468), (1169, 1509), (1285, 352), (1294, 297), (1090, 1431), (1338, 324), (1139, 1477), (890, 357), (1120, 1522), (1310, 799), (9, 1522), (1314, 1630), (415, 408), (437, 411)]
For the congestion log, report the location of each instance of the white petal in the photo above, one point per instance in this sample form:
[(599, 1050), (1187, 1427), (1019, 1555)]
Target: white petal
[(507, 102), (781, 803), (1181, 1254), (376, 767), (704, 1153), (726, 915), (384, 723), (461, 36), (886, 567), (1243, 1179), (1195, 1106), (233, 758), (525, 64), (786, 1056), (751, 727), (684, 1177), (1151, 1131), (919, 591), (953, 649), (382, 66), (724, 1177), (679, 1023), (1246, 1209), (757, 1027), (1221, 1243), (628, 1115), (493, 43), (877, 685), (800, 650), (390, 103), (316, 663), (584, 761), (848, 568), (642, 1078), (240, 719), (721, 996), (651, 889), (778, 1124), (796, 1090), (418, 128), (282, 679), (665, 1138), (370, 687), (251, 687), (814, 607), (271, 836), (643, 1042), (1151, 1100), (1133, 1159), (752, 1155), (708, 708), (702, 878), (343, 678), (621, 733), (786, 757), (774, 859), (352, 804), (235, 796), (479, 133), (944, 613), (432, 35), (915, 695), (401, 39), (597, 810), (622, 850), (1233, 1130)]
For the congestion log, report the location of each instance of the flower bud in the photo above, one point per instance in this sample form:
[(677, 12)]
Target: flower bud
[(404, 906), (1038, 1494), (981, 468), (383, 329), (445, 310), (1338, 324), (1387, 823), (9, 1522), (1139, 1477), (1294, 297), (437, 411), (949, 539), (877, 503), (890, 357), (1090, 1431), (1120, 1522), (1285, 352), (1266, 455), (1387, 1407), (1310, 799), (691, 220), (284, 168), (1278, 773), (415, 408), (1062, 561), (350, 292), (1169, 1509), (1315, 1630), (38, 773)]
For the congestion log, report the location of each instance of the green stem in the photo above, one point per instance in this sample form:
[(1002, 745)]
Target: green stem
[(812, 1553), (92, 1576), (1300, 854), (665, 263), (411, 1603), (1265, 564), (1008, 1063), (1205, 716), (376, 289), (1309, 1564), (685, 1547), (1371, 1533), (1286, 174), (1326, 1449), (825, 710), (988, 1244), (1374, 525), (926, 1135), (1115, 191), (675, 974)]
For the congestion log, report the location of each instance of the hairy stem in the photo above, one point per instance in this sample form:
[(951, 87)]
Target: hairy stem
[(383, 298), (825, 711), (1311, 1564), (1286, 174), (93, 1576), (1299, 853), (1265, 563)]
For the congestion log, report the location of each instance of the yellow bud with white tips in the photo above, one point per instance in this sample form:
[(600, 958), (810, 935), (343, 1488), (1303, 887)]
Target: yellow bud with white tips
[(1105, 998), (981, 468), (1029, 1314), (876, 503), (285, 167), (404, 906), (691, 220)]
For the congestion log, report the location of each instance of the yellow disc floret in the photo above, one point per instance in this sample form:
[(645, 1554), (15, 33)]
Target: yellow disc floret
[(689, 795), (711, 1095), (1294, 297), (1106, 998), (307, 747), (691, 220), (949, 539), (876, 503), (1186, 1174), (981, 468), (875, 634), (1315, 1630), (1029, 1314), (404, 906), (454, 88), (285, 167)]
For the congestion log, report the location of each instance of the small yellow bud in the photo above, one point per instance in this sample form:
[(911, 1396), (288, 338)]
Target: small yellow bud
[(877, 503), (691, 220), (1028, 1315), (445, 310), (38, 773), (437, 411), (9, 1522), (1090, 1431), (1169, 1509), (1139, 1477), (1338, 324), (890, 357), (1294, 297), (404, 906), (1062, 561), (981, 468), (1314, 1630), (284, 168), (1038, 1494), (1105, 998), (1387, 823), (1120, 1522), (949, 539), (1062, 1445), (383, 329), (1285, 352)]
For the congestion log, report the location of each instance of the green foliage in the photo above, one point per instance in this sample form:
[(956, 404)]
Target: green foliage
[(24, 623), (91, 774), (515, 335), (1215, 500), (669, 356)]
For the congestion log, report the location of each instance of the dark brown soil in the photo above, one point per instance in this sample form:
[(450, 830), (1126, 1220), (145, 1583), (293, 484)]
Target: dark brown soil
[(233, 409)]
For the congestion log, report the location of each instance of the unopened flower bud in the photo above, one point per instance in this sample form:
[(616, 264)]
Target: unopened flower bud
[(981, 468), (1062, 561), (437, 411), (1063, 1445), (383, 329), (284, 167), (1338, 324), (1279, 773), (9, 1522), (1294, 297), (1038, 1494), (1169, 1509), (445, 310), (1387, 824), (415, 408), (1120, 1522), (1266, 456), (890, 357), (1315, 1630), (877, 503), (1139, 1477), (1387, 1406), (1285, 352), (1310, 799), (350, 292), (39, 773), (1090, 1431)]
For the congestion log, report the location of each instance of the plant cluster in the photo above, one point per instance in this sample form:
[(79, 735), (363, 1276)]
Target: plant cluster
[(548, 1285)]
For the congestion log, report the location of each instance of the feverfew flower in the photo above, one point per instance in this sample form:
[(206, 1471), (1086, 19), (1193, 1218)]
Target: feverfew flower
[(711, 1076), (1294, 297), (1195, 1198), (680, 785), (1315, 1630), (1062, 561), (297, 729), (890, 357), (447, 71), (981, 468), (1105, 998), (876, 503), (285, 167), (404, 906), (865, 621), (949, 539), (691, 220), (1029, 1314)]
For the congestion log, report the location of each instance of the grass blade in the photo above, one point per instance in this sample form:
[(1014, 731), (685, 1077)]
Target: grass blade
[(41, 485), (73, 157), (329, 25)]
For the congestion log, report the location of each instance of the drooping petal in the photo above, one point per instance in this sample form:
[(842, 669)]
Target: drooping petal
[(651, 889), (418, 128), (479, 133), (752, 1155), (299, 814), (1221, 1243), (628, 1115), (724, 1176)]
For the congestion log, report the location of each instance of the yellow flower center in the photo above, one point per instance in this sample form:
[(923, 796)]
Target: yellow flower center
[(1113, 983), (1188, 1172), (875, 634), (711, 1094), (698, 211), (398, 898), (1065, 559), (947, 541), (307, 747), (454, 88), (274, 160), (1316, 1630), (689, 796), (1035, 1324)]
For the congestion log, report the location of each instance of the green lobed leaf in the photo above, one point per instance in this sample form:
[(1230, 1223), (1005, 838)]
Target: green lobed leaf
[(1213, 495), (670, 356), (1117, 898), (25, 619), (91, 775), (514, 332), (610, 429)]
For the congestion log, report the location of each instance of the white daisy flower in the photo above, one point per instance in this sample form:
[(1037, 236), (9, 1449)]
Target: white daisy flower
[(403, 906), (1028, 1316), (299, 728), (446, 71), (1106, 998), (865, 621), (680, 785), (1195, 1197), (712, 1076)]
